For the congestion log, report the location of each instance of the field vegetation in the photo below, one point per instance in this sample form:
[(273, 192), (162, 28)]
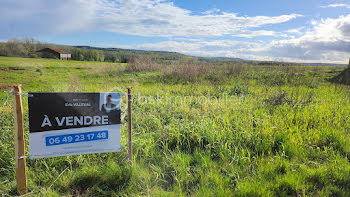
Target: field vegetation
[(200, 129), (28, 48)]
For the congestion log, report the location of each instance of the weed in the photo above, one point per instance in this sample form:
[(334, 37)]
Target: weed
[(284, 131)]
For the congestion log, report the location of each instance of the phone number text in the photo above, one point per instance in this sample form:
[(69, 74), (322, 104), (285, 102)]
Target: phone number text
[(75, 138)]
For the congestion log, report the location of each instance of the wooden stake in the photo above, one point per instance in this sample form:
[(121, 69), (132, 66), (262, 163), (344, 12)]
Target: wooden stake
[(21, 176), (129, 124)]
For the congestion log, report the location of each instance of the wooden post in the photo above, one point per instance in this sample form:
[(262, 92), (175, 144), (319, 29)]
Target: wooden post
[(129, 124), (21, 176)]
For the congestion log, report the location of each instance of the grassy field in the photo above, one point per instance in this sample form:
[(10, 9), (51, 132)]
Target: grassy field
[(232, 130)]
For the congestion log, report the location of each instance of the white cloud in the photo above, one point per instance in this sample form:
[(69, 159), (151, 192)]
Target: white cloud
[(164, 19), (327, 41), (159, 18), (212, 11), (336, 5), (296, 30), (331, 34)]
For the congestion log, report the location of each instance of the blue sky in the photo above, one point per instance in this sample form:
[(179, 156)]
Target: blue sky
[(282, 30)]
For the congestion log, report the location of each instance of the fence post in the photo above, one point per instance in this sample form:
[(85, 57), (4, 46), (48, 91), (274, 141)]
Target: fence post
[(129, 124), (21, 177)]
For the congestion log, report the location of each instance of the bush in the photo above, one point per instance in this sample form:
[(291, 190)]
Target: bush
[(295, 99), (188, 72), (141, 64), (233, 69), (238, 90), (278, 98)]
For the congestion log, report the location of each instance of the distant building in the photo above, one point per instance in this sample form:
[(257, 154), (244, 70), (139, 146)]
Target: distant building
[(55, 53)]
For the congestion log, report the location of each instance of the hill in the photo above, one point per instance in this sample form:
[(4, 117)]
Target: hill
[(28, 47), (129, 50)]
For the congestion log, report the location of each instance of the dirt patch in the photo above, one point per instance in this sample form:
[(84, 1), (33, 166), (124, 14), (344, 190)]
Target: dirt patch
[(11, 68), (4, 87), (74, 84), (39, 71), (343, 77), (15, 68)]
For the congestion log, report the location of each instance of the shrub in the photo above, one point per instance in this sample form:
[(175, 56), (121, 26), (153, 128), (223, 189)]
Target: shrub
[(278, 98), (238, 90), (233, 69), (295, 99), (189, 72), (142, 64)]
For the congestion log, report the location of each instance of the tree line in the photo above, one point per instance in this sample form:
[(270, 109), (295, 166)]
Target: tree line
[(28, 47)]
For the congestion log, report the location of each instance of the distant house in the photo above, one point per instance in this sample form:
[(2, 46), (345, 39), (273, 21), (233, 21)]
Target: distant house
[(55, 53)]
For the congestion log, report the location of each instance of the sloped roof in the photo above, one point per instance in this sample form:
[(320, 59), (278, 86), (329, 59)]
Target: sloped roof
[(60, 51)]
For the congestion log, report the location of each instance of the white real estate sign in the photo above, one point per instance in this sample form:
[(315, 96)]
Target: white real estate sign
[(73, 123)]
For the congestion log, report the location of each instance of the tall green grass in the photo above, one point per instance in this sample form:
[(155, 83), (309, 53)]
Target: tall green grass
[(231, 131)]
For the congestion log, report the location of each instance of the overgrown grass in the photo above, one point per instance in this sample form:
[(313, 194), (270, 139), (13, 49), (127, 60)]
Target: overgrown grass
[(199, 130)]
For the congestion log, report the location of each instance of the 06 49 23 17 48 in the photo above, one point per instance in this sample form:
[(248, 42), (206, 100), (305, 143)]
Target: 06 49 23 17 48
[(76, 137)]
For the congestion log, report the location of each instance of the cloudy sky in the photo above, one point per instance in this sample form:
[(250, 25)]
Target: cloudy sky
[(282, 30)]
